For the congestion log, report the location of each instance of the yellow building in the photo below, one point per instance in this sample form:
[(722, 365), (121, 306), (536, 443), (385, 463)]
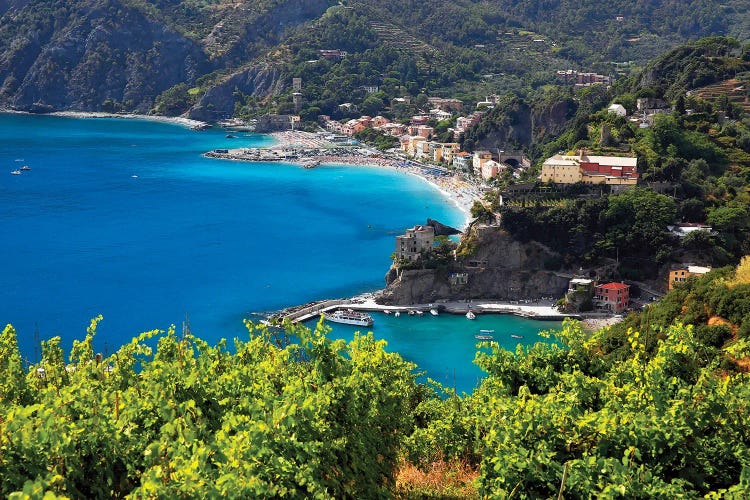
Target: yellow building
[(680, 275), (561, 170), (610, 170)]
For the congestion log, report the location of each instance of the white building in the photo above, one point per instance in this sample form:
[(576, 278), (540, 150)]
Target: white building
[(617, 109)]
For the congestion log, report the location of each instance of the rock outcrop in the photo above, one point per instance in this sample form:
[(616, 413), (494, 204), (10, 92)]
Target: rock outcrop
[(218, 102), (495, 267), (442, 229)]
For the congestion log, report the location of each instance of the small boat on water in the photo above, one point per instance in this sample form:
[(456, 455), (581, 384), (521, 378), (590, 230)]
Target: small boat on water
[(15, 172), (397, 314), (412, 312), (386, 311), (25, 167), (420, 313), (515, 336), (484, 336), (349, 317), (471, 315), (434, 311), (489, 332), (230, 136)]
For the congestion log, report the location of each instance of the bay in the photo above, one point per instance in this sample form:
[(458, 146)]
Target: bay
[(126, 219)]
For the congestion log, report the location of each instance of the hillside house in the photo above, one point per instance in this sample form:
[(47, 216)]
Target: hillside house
[(479, 159), (421, 130), (464, 123), (439, 114), (684, 228), (680, 274), (610, 170), (332, 54), (617, 109), (582, 79), (613, 297), (450, 105), (491, 169)]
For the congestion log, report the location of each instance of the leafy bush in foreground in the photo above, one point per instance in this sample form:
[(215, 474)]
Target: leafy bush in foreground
[(318, 419)]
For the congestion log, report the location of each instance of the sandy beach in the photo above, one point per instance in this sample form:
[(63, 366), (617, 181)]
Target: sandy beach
[(453, 188)]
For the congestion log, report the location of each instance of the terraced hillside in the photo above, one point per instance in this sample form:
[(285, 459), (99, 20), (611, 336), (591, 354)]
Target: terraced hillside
[(737, 91)]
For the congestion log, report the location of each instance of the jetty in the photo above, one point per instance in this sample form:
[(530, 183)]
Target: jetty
[(529, 310)]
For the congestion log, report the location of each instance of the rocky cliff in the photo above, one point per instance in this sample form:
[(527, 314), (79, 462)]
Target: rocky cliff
[(218, 101), (496, 267), (516, 124)]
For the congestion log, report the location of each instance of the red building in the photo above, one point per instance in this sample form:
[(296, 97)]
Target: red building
[(613, 297)]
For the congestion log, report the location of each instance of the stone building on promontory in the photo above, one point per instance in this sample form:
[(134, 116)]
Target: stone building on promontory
[(487, 264)]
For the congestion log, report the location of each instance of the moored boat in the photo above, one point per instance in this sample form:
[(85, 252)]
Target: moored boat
[(434, 311), (15, 172), (349, 317), (484, 336), (514, 336), (25, 167), (471, 315)]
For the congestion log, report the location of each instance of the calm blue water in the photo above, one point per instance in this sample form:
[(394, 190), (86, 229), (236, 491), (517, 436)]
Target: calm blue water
[(212, 238)]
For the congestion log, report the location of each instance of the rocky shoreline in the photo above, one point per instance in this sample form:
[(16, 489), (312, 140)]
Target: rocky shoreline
[(177, 120)]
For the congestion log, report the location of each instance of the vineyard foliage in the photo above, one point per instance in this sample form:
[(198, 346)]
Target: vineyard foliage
[(652, 409)]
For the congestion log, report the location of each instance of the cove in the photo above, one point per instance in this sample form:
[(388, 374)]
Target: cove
[(126, 219)]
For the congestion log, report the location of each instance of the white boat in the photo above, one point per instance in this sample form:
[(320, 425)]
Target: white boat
[(349, 317), (386, 311), (15, 172), (471, 315), (25, 167), (484, 335), (514, 336), (397, 314), (412, 312), (420, 313), (434, 312)]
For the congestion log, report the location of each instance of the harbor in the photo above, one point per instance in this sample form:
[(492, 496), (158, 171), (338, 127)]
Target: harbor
[(542, 310)]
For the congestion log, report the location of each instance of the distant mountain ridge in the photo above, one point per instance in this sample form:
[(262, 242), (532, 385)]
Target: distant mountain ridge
[(116, 55)]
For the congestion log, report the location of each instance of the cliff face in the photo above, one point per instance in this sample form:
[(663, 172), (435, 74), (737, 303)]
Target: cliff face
[(515, 124), (218, 102), (497, 267)]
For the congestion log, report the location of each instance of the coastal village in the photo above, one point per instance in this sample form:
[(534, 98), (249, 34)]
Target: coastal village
[(464, 177)]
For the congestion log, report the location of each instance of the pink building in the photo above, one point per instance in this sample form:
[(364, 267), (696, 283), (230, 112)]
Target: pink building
[(613, 297)]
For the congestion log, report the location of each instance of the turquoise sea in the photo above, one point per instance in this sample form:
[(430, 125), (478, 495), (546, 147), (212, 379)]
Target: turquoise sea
[(126, 219)]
